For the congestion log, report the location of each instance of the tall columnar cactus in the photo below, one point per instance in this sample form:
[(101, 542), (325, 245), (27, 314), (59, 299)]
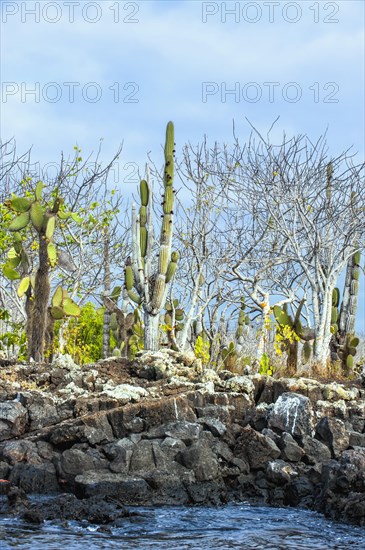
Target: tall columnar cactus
[(147, 284), (344, 342), (31, 213)]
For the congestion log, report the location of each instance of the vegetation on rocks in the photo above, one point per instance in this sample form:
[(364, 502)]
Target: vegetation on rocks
[(244, 269)]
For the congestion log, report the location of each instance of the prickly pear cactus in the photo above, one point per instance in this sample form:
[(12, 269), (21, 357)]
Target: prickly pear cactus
[(121, 322), (173, 322), (290, 333), (33, 214)]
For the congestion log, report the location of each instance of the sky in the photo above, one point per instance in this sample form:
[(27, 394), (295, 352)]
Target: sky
[(77, 72)]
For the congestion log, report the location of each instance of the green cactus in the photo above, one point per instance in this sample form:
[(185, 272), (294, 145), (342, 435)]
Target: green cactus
[(136, 340), (343, 342), (306, 352), (122, 325), (173, 318), (147, 281), (299, 334), (171, 269), (229, 356), (144, 192), (243, 321), (35, 214), (129, 277), (335, 297)]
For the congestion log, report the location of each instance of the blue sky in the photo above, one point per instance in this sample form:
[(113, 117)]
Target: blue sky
[(160, 57)]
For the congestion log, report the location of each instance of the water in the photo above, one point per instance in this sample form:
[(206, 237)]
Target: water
[(182, 528)]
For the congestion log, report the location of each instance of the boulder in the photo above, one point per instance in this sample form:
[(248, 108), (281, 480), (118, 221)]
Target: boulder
[(42, 410), (131, 490), (356, 439), (257, 416), (334, 434), (256, 448), (315, 451), (240, 384), (35, 478), (97, 429), (122, 457), (13, 419), (188, 432), (343, 494), (124, 392), (205, 492), (4, 470), (279, 472), (199, 458), (143, 458), (290, 449), (300, 491), (356, 412), (20, 451), (216, 427), (169, 489), (292, 413), (76, 461), (172, 446)]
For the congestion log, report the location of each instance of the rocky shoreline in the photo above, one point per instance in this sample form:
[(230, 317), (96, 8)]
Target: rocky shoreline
[(164, 431)]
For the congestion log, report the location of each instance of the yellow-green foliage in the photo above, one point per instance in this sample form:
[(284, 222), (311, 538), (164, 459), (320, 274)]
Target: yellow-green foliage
[(13, 339), (265, 365), (83, 335), (201, 349), (284, 335)]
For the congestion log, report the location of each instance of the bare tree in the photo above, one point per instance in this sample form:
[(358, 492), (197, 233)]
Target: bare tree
[(318, 234), (202, 199)]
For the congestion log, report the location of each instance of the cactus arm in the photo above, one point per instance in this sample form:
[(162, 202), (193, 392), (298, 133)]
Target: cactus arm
[(161, 288), (149, 224), (136, 254), (152, 285), (350, 295)]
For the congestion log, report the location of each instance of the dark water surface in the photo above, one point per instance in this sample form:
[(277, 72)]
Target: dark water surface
[(181, 528)]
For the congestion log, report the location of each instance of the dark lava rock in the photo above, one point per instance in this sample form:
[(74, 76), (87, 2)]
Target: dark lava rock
[(35, 478), (132, 490), (67, 507), (256, 448), (292, 413), (199, 458), (315, 451), (300, 492), (279, 472), (356, 439), (13, 419), (334, 434), (290, 449), (343, 494)]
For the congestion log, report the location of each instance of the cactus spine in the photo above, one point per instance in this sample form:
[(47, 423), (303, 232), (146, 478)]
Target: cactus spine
[(144, 284)]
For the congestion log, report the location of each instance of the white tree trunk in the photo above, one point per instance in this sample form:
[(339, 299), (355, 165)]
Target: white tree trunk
[(151, 331), (322, 327), (265, 328), (107, 289)]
